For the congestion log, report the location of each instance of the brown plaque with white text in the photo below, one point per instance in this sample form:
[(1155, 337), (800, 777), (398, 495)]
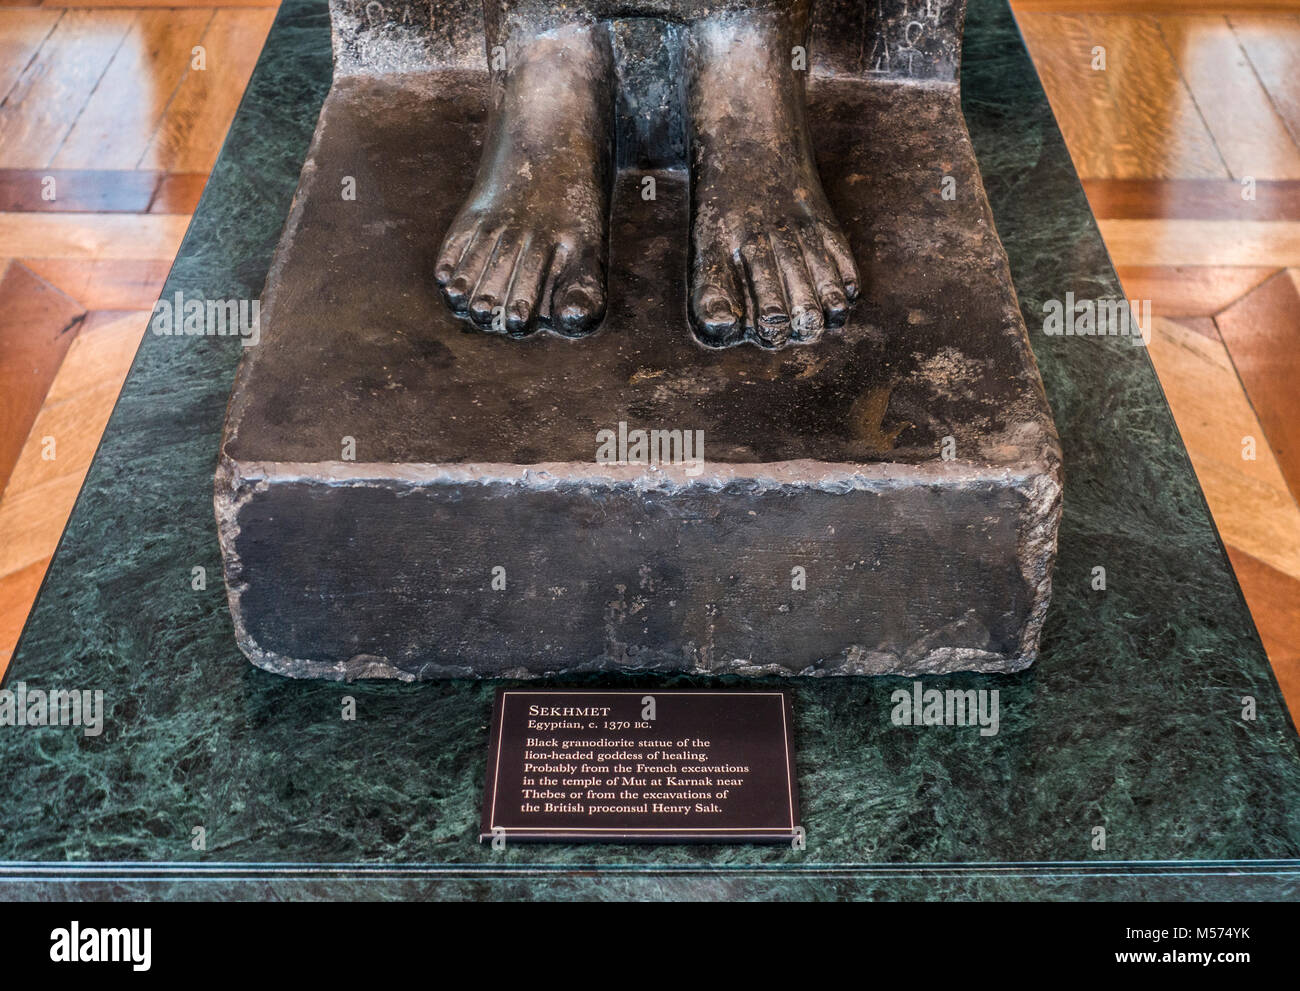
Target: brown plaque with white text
[(649, 765)]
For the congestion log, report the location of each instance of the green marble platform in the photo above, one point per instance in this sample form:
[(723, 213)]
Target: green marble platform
[(1130, 720)]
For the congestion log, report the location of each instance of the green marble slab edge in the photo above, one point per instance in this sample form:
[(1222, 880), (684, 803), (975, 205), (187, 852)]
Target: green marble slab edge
[(1130, 720)]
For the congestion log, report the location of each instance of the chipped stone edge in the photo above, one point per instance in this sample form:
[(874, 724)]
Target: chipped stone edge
[(237, 484)]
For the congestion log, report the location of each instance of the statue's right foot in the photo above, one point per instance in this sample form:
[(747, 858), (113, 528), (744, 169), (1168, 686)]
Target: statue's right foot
[(529, 247), (769, 262)]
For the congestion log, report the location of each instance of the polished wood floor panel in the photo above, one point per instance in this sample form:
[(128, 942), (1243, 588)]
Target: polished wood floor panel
[(91, 236), (38, 324), (106, 283), (1272, 596), (194, 126), (1190, 290), (1216, 243), (1214, 255), (176, 4), (17, 591), (1194, 199), (115, 127), (99, 191), (1247, 130), (110, 120), (179, 192), (48, 475), (1129, 116), (43, 103), (1217, 420), (22, 32), (1187, 7), (1262, 332), (1272, 43), (77, 190)]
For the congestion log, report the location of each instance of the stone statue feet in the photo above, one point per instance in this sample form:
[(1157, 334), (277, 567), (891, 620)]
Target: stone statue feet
[(769, 263), (528, 248)]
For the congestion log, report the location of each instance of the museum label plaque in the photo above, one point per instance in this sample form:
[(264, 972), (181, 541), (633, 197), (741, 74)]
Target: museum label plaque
[(650, 766)]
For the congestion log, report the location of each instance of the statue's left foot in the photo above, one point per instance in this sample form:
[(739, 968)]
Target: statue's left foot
[(769, 262)]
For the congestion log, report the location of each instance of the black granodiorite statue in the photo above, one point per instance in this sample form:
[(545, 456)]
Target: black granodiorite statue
[(527, 225), (768, 263)]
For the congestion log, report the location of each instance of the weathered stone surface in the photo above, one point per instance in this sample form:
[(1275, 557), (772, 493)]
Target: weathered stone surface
[(908, 464), (906, 40)]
